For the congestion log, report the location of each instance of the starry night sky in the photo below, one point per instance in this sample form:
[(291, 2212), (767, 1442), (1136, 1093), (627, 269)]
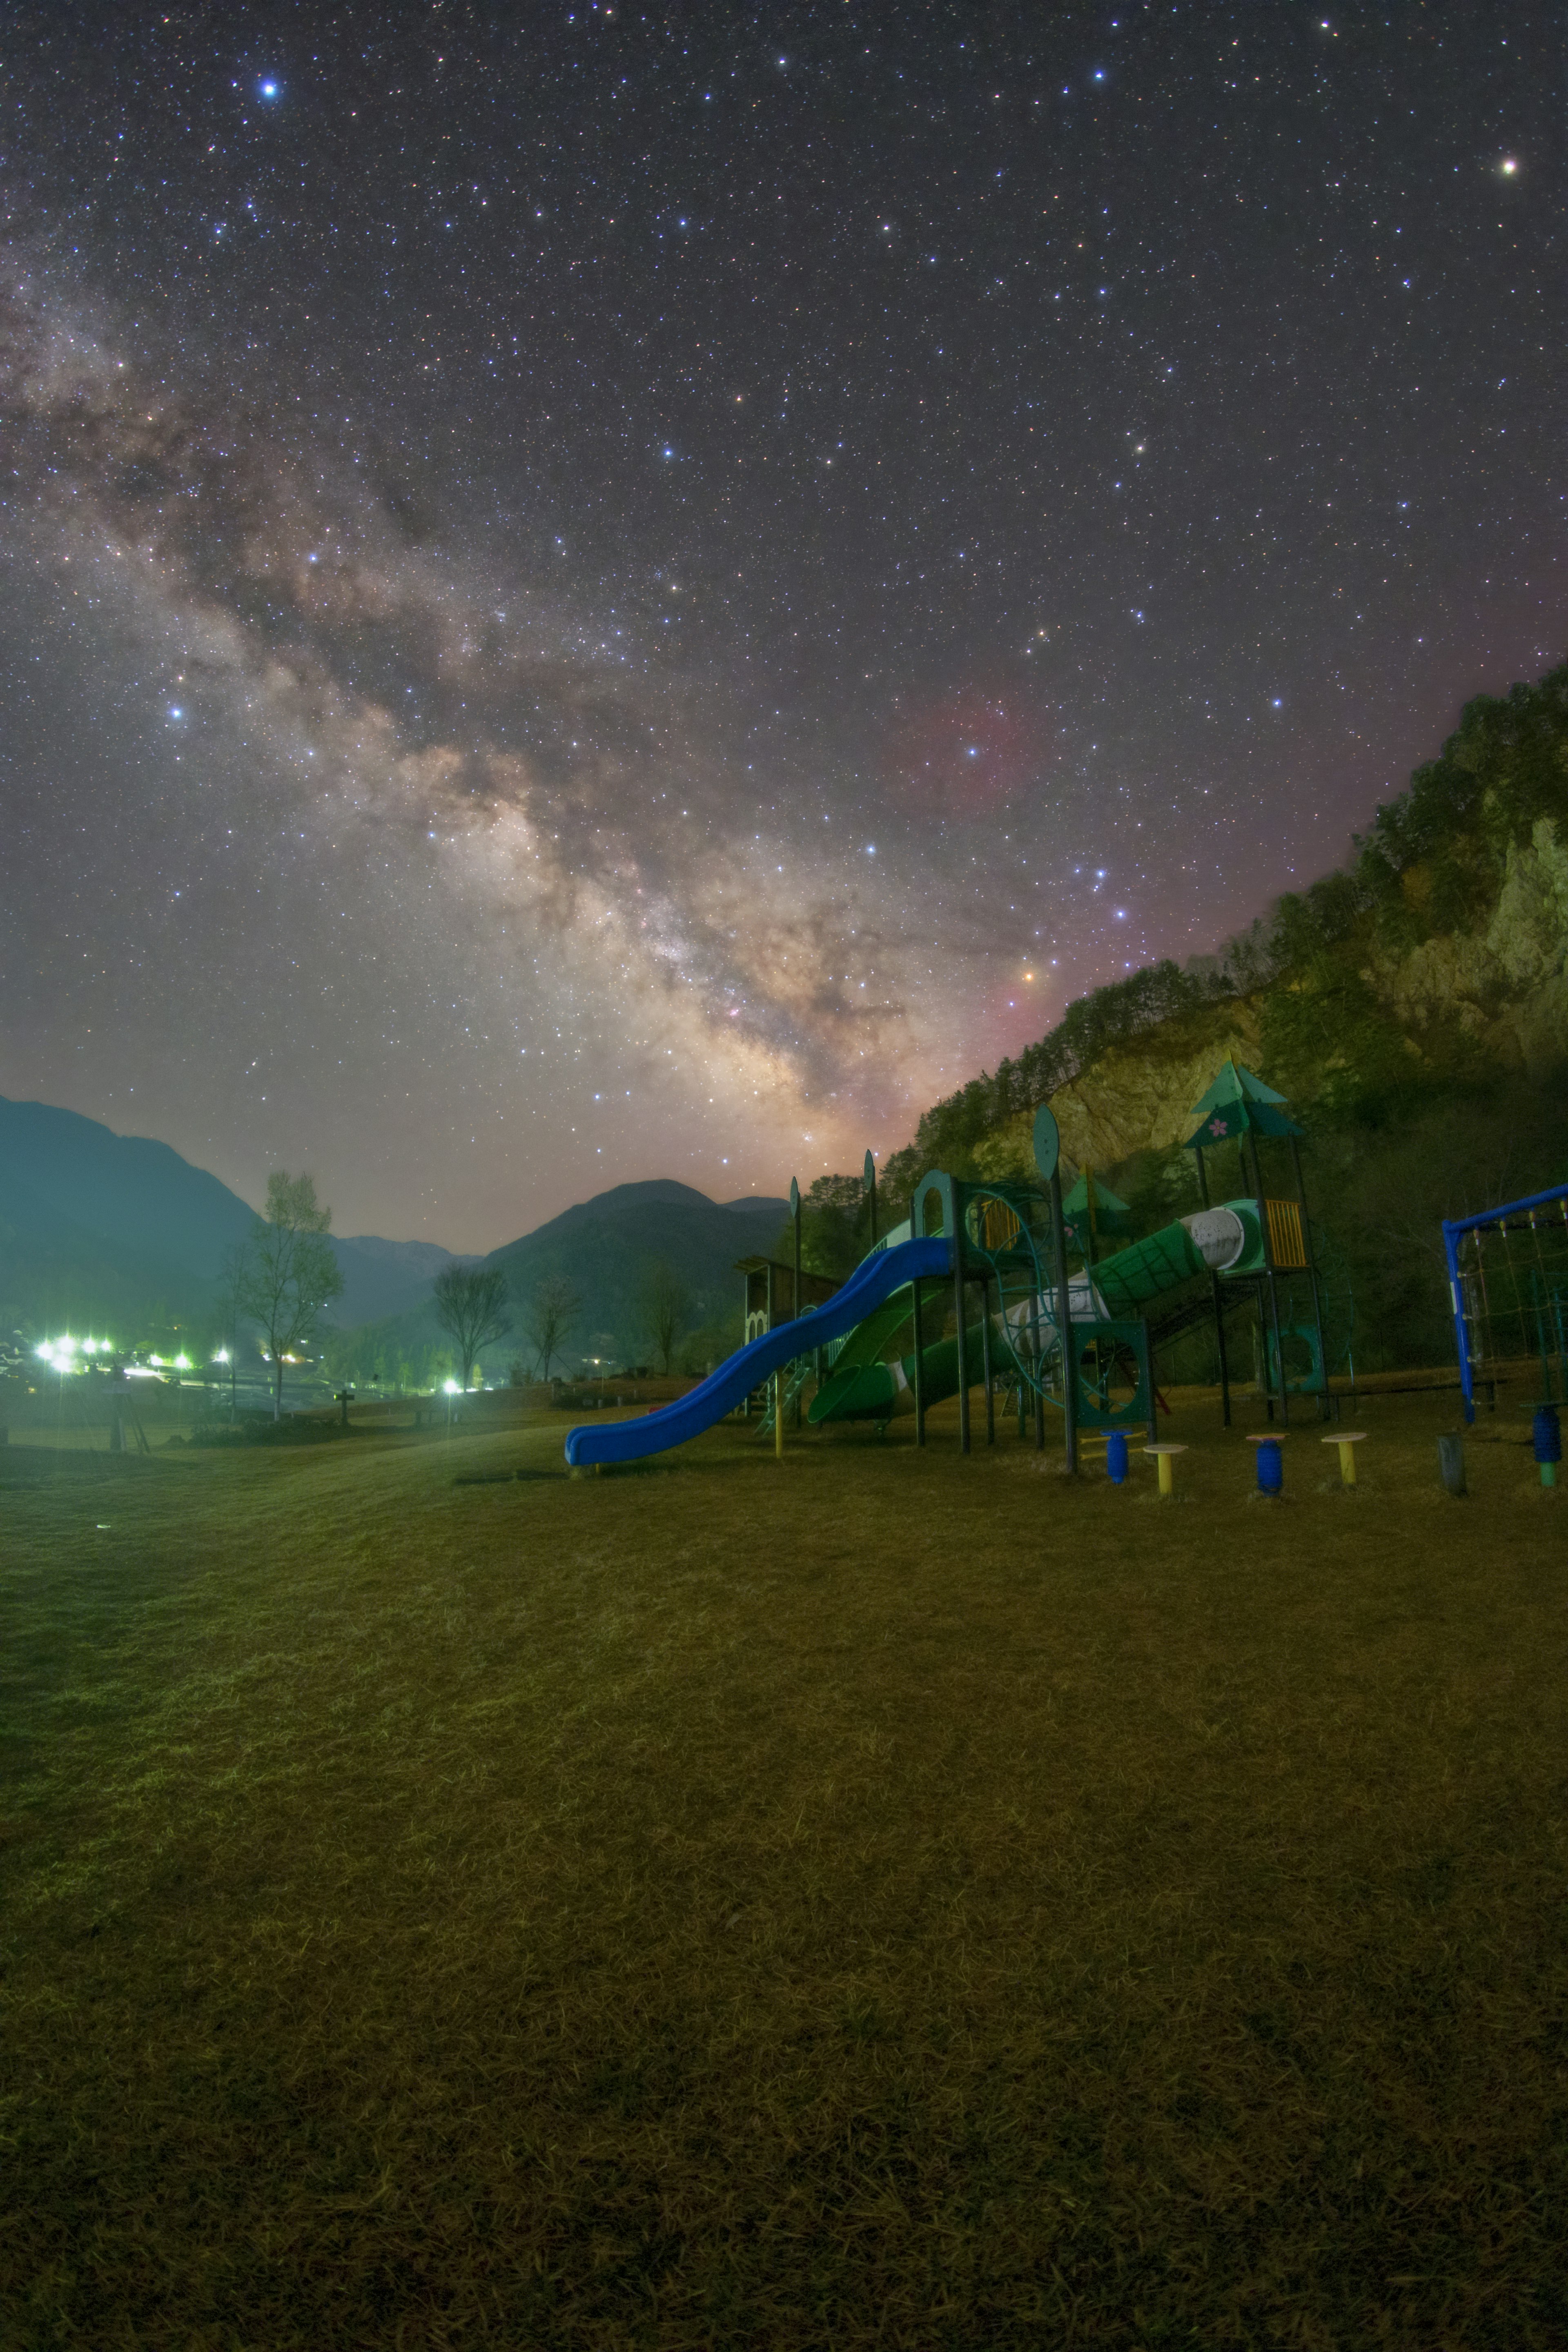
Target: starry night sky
[(590, 595)]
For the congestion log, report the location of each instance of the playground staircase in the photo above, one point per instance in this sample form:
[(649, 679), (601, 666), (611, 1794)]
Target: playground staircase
[(800, 1371)]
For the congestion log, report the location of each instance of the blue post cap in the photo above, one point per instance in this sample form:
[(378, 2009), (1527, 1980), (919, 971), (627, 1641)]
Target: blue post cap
[(1047, 1141)]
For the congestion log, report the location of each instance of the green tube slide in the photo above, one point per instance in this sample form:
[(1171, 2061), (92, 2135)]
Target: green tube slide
[(864, 1383), (879, 1390)]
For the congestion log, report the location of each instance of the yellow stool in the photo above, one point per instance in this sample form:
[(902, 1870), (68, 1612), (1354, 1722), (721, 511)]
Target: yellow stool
[(1347, 1441), (1163, 1455)]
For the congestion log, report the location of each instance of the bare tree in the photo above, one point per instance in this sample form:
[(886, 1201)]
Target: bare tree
[(665, 1304), (291, 1272), (552, 1314), (470, 1303)]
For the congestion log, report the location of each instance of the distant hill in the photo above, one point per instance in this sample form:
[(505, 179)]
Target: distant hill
[(382, 1279), (605, 1248), (125, 1188), (98, 1229), (116, 1232)]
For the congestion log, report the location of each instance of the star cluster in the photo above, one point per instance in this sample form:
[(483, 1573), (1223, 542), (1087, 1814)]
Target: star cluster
[(590, 594)]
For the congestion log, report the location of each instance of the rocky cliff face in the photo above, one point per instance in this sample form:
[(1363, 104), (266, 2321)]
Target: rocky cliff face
[(1134, 1097), (1503, 987), (1506, 986)]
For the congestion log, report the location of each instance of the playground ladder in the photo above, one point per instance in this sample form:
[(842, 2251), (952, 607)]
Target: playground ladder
[(800, 1371)]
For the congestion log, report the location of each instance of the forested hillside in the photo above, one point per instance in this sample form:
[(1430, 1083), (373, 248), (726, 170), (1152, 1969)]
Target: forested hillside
[(1413, 1007)]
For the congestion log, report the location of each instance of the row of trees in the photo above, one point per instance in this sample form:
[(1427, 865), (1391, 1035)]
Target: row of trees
[(284, 1274), (472, 1305)]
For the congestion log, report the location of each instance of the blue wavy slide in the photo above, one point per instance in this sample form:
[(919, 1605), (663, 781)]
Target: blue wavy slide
[(875, 1279)]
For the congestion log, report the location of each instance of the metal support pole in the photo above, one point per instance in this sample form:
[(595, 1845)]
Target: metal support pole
[(795, 1212), (1461, 1321), (1218, 1297), (1035, 1357), (1219, 1342), (1063, 1327), (919, 1373), (778, 1415), (958, 1287), (1324, 1407), (1273, 1288), (985, 1358)]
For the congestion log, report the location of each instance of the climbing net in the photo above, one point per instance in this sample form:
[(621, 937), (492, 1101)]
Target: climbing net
[(1508, 1280)]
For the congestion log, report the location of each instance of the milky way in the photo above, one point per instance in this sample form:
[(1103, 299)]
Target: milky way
[(644, 597)]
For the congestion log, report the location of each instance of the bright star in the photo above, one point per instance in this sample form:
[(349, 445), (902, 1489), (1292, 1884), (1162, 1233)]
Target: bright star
[(268, 90)]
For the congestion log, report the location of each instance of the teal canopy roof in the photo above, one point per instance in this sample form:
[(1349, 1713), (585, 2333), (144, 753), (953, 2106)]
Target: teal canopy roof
[(1237, 1104), (1112, 1216), (1106, 1203)]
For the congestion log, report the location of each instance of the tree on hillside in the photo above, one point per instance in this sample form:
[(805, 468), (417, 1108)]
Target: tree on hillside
[(289, 1273), (470, 1303), (835, 1228), (552, 1317), (664, 1303)]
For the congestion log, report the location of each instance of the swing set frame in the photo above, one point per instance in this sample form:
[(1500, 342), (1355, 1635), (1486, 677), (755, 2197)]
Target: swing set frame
[(1455, 1230)]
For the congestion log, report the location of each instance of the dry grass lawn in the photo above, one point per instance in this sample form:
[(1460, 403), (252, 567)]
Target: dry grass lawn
[(873, 1899)]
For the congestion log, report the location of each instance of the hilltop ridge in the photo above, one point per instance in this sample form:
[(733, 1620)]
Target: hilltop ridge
[(1413, 1006)]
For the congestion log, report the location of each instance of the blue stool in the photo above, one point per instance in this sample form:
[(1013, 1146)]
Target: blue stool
[(1270, 1463), (1116, 1456)]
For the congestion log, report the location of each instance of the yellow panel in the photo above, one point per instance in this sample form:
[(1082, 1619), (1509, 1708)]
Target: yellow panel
[(1286, 1246), (1001, 1225)]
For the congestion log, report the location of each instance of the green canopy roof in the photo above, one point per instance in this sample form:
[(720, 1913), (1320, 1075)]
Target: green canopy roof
[(1227, 1120), (1236, 1083), (1109, 1215), (1106, 1203), (1237, 1104)]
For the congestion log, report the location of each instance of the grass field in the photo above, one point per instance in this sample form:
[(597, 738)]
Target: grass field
[(866, 1900)]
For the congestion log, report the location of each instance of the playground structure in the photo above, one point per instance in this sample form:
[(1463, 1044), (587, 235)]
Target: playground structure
[(1508, 1283), (994, 1260)]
